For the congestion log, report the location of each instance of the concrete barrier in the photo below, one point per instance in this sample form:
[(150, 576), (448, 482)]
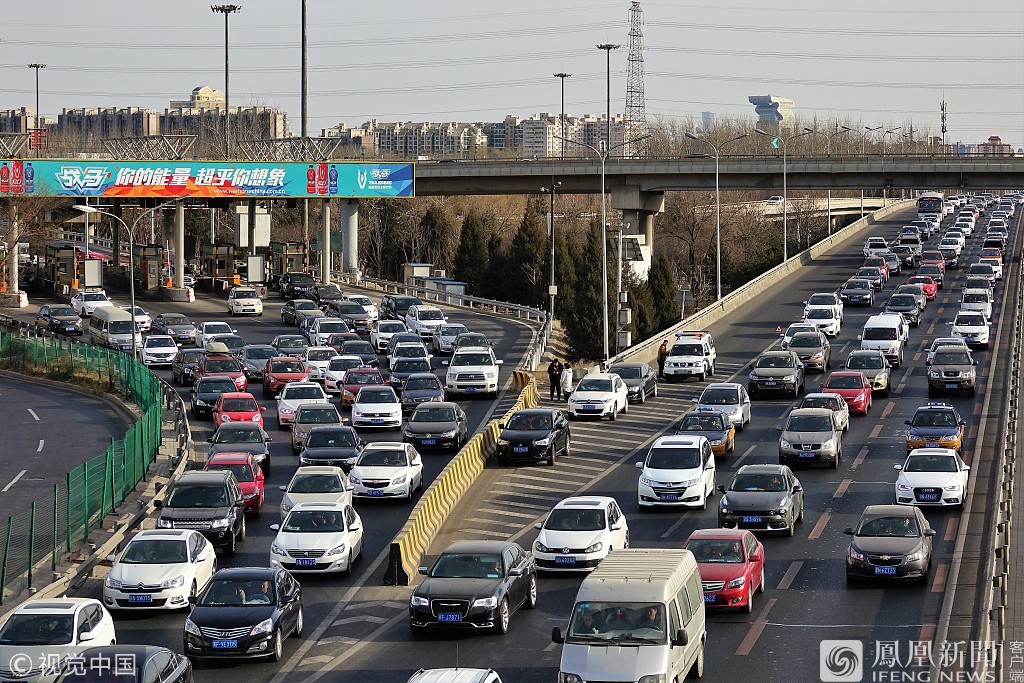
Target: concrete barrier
[(647, 350), (440, 499)]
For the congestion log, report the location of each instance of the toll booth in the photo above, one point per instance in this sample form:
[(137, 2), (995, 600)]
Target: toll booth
[(149, 266), (218, 260), (60, 265), (287, 257)]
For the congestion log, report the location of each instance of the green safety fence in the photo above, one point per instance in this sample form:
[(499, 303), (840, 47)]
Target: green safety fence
[(31, 543)]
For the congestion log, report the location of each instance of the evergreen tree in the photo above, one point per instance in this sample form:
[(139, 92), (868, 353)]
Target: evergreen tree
[(494, 279), (641, 302), (437, 228), (583, 322), (528, 259), (662, 286), (567, 255), (471, 258)]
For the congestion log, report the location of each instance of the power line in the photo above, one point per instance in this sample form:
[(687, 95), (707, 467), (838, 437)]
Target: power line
[(761, 54), (831, 31)]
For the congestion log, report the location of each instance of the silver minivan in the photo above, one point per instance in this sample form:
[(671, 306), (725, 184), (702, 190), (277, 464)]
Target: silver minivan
[(112, 327)]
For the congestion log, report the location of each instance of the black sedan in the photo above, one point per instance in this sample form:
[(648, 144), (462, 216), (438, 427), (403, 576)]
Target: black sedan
[(905, 304), (174, 325), (420, 387), (361, 348), (403, 369), (185, 364), (132, 664), (206, 392), (333, 446), (857, 291), (296, 285), (245, 612), (890, 542), (294, 345), (534, 434), (59, 319), (323, 294), (640, 379), (474, 585), (242, 437), (436, 426)]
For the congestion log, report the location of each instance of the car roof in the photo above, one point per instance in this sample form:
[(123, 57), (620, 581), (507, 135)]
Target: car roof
[(889, 511), (765, 468), (534, 411), (584, 502), (229, 458), (680, 440), (319, 505), (727, 385), (202, 476), (815, 412), (166, 534), (246, 573), (58, 605), (600, 375), (731, 534), (479, 547), (318, 469), (865, 352), (630, 365), (457, 675), (237, 394)]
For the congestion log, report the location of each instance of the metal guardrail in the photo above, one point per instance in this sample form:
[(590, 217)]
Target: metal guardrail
[(35, 541)]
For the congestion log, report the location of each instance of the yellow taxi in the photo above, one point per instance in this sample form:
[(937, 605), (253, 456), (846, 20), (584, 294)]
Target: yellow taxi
[(935, 425)]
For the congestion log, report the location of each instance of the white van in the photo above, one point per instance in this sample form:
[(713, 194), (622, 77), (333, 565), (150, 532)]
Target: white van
[(112, 326), (645, 609), (888, 333)]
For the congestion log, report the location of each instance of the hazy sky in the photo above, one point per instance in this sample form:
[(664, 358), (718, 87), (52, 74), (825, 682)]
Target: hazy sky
[(879, 62)]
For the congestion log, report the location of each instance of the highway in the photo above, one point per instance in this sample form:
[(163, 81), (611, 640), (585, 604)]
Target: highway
[(48, 431)]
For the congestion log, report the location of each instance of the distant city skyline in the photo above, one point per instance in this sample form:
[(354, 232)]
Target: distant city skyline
[(460, 62)]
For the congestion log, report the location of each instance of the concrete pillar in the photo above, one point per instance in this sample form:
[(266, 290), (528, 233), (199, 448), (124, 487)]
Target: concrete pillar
[(179, 244), (325, 243), (252, 227), (12, 248), (349, 222)]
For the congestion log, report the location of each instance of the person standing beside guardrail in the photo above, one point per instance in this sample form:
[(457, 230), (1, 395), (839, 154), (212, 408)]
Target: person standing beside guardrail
[(555, 376)]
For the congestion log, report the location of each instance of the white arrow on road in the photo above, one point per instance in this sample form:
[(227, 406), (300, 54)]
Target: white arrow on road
[(364, 617)]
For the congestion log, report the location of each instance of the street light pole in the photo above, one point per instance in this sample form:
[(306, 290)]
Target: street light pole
[(305, 123), (561, 127), (718, 208), (828, 153), (35, 127), (226, 10), (608, 47), (891, 131), (785, 194), (551, 238), (863, 139)]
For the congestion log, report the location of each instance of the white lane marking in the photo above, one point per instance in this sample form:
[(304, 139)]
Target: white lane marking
[(40, 448), (33, 414), (13, 481), (672, 528), (737, 461)]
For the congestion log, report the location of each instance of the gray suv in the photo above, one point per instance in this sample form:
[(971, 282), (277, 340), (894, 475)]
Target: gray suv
[(776, 371), (810, 436), (767, 497), (310, 415), (813, 350), (951, 369), (210, 502)]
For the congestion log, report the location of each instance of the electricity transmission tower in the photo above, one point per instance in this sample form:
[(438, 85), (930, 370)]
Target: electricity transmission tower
[(635, 124)]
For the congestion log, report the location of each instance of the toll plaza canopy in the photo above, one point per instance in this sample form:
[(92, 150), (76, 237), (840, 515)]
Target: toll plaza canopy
[(216, 179)]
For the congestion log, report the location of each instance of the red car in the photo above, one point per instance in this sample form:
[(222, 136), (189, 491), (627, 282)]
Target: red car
[(357, 378), (991, 252), (731, 563), (237, 406), (223, 366), (929, 285), (933, 257), (281, 370), (854, 387), (249, 475), (878, 262)]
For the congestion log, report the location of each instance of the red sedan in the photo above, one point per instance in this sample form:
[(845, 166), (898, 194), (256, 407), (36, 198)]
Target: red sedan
[(854, 387), (223, 366), (991, 252), (934, 258), (237, 406), (247, 472), (930, 286), (880, 263), (357, 378), (281, 370), (731, 563)]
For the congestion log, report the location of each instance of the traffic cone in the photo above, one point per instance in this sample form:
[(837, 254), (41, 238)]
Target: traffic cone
[(778, 328)]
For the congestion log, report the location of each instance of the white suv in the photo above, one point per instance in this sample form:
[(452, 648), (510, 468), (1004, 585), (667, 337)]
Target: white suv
[(244, 301), (424, 320), (692, 355), (472, 371)]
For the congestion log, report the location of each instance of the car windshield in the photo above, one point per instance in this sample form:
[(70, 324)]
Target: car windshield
[(234, 344), (358, 348), (774, 362), (349, 308), (464, 359), (215, 386), (975, 298), (467, 566), (160, 343), (290, 367), (26, 628), (316, 483), (844, 382), (383, 457), (428, 414), (821, 300), (174, 320), (291, 343), (879, 333), (819, 402), (599, 385), (931, 463), (529, 422), (929, 269), (947, 253), (330, 438), (821, 314), (869, 272), (321, 354), (451, 330), (376, 396), (217, 328), (903, 300), (227, 592), (716, 550), (120, 327), (258, 353), (359, 299), (422, 384), (225, 365), (970, 320), (900, 527), (980, 269), (63, 311), (575, 519), (390, 327), (318, 416), (225, 435), (94, 297), (340, 364), (430, 314), (673, 458), (472, 340), (155, 551), (239, 405), (313, 522), (410, 365), (299, 393), (197, 496), (865, 362), (363, 378), (244, 294), (607, 623), (330, 291), (333, 327), (242, 472), (625, 372), (306, 306), (806, 342), (933, 418), (687, 350), (702, 423), (760, 481), (809, 423), (951, 358)]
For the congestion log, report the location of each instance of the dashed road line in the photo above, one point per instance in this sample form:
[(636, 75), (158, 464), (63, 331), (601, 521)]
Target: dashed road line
[(33, 414), (755, 630), (509, 513), (939, 580), (860, 457), (791, 572), (737, 461), (888, 409), (14, 481), (819, 527), (876, 431), (527, 485), (39, 448), (841, 490), (950, 534)]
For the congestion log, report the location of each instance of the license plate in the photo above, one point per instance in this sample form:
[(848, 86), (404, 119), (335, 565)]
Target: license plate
[(520, 449), (807, 455), (589, 408), (670, 496), (375, 492), (449, 616), (429, 442), (968, 339), (69, 329), (225, 644), (770, 384), (565, 559), (126, 347), (753, 520), (305, 562), (709, 598), (885, 570), (470, 389), (931, 497), (140, 598), (932, 445), (376, 421), (952, 386)]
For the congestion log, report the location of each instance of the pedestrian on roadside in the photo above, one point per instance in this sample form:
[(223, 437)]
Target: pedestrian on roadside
[(554, 377), (662, 355), (566, 382)]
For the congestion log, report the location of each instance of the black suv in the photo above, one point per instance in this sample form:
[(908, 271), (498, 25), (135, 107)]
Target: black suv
[(296, 285), (395, 306), (210, 502)]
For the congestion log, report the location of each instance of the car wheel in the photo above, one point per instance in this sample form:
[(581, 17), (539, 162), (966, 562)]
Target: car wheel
[(654, 394), (697, 670), (531, 594), (702, 376), (278, 651), (643, 396), (242, 530), (732, 445), (504, 614), (791, 529), (348, 565), (299, 623), (551, 455), (568, 445), (614, 416), (230, 549), (750, 600), (192, 592), (760, 585), (502, 461), (800, 515), (835, 463)]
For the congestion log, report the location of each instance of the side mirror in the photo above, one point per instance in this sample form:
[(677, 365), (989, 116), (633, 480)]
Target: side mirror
[(927, 362), (267, 440), (515, 571), (860, 337), (556, 635), (721, 488), (797, 488), (263, 409), (537, 525), (86, 637), (158, 504), (778, 428), (848, 531), (210, 440), (965, 468), (282, 488), (499, 362), (616, 527), (422, 570), (192, 599), (906, 422), (275, 527), (444, 362), (501, 425), (929, 532), (681, 638), (111, 557), (821, 385), (639, 465)]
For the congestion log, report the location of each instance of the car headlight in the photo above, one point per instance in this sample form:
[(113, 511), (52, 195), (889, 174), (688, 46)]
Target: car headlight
[(347, 394), (572, 678), (737, 583), (398, 481), (177, 582), (417, 601), (716, 442), (113, 583), (856, 555), (646, 482), (502, 442), (753, 376), (354, 480), (489, 603), (164, 524), (818, 356), (449, 434), (265, 626), (594, 548), (652, 678), (337, 550), (199, 402), (357, 413), (789, 378), (546, 441), (220, 523), (916, 556), (256, 417), (190, 627), (828, 445), (225, 418), (952, 487), (784, 444), (934, 374), (278, 550), (286, 411), (904, 488), (690, 482), (541, 548)]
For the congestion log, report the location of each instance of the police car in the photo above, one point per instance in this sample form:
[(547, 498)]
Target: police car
[(691, 355)]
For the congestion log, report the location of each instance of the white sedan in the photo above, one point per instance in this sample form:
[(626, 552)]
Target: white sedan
[(599, 395), (387, 470), (377, 406), (972, 327), (158, 349), (39, 635), (382, 332), (159, 570), (318, 537), (825, 319), (209, 331), (336, 369), (142, 319), (316, 484), (824, 300), (579, 532), (85, 303), (295, 394), (932, 476)]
